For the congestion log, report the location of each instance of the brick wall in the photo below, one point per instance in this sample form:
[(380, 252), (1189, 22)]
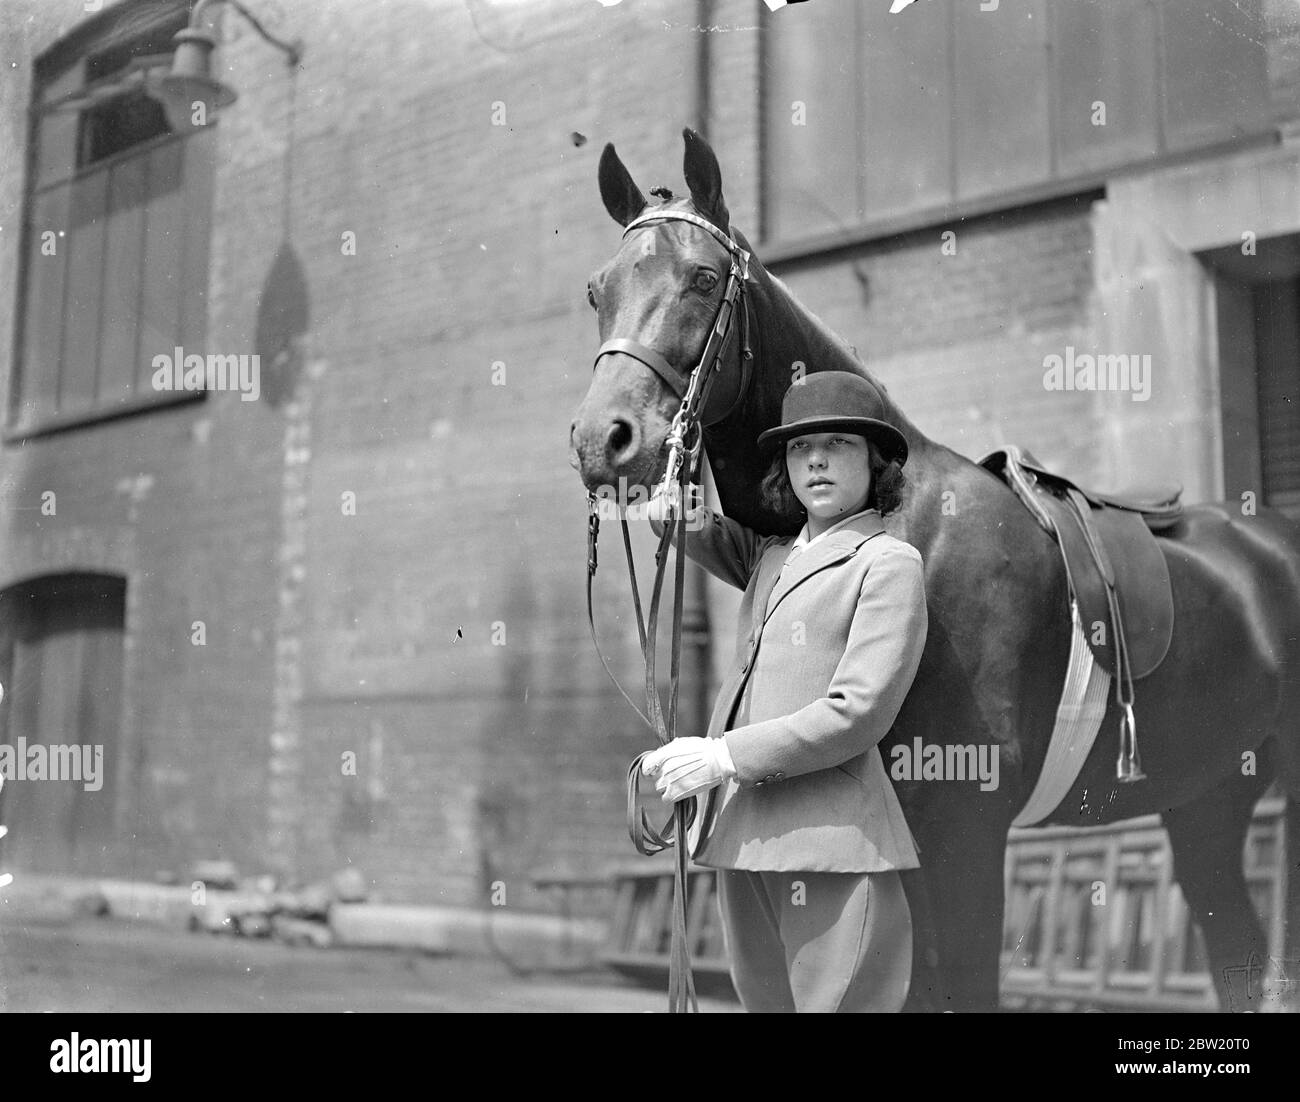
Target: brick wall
[(368, 639), (960, 338), (372, 634)]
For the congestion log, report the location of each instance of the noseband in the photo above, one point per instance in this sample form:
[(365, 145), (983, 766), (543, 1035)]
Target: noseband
[(701, 378)]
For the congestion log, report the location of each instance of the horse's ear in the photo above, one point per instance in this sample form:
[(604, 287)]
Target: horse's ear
[(704, 178), (623, 199)]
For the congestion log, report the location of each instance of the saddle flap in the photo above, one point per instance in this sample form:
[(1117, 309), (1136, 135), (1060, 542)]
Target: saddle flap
[(1103, 545), (1141, 580)]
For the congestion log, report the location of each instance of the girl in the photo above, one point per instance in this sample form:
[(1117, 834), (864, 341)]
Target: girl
[(799, 817)]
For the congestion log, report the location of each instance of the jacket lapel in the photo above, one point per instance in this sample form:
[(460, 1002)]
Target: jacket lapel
[(834, 549), (769, 570)]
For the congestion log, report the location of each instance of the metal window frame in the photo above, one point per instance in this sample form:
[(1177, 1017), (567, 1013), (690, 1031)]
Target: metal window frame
[(122, 24)]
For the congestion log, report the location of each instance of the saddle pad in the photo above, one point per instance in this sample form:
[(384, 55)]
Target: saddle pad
[(1141, 577), (1078, 719)]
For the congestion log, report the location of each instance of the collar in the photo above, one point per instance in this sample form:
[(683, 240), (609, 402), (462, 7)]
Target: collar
[(802, 541)]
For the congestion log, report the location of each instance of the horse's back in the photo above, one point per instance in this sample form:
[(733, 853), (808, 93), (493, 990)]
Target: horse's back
[(1256, 556), (1231, 678)]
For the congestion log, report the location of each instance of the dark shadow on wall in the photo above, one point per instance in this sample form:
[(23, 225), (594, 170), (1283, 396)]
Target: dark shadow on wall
[(514, 768), (283, 315)]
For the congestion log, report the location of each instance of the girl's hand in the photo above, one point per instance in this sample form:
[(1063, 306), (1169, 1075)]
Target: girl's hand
[(688, 766), (658, 506)]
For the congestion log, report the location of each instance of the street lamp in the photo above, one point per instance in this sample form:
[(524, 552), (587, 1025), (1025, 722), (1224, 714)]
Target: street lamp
[(190, 84)]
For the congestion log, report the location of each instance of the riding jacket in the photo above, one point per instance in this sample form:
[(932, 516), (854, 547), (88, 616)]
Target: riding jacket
[(827, 647)]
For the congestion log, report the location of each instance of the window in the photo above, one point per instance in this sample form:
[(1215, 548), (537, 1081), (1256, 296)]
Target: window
[(869, 117), (1277, 343), (116, 237), (1257, 300), (61, 666)]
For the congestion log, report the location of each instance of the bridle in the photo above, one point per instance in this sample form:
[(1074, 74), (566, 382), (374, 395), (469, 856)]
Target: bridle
[(676, 380), (685, 437)]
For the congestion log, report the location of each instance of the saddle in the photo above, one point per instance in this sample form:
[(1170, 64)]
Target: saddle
[(1117, 572)]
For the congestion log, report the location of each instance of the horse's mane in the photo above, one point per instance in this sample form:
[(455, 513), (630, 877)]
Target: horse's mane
[(815, 325), (818, 336)]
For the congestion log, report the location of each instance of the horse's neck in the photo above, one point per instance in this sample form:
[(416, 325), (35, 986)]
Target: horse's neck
[(790, 333)]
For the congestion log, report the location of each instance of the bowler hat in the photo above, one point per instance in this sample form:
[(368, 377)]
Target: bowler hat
[(830, 400)]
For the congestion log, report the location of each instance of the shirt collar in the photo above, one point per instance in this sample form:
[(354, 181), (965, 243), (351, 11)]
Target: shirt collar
[(801, 540)]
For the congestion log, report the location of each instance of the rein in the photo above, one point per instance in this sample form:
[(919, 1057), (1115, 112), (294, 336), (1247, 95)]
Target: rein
[(684, 442)]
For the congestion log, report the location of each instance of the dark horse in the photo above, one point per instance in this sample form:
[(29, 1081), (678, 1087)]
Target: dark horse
[(999, 624)]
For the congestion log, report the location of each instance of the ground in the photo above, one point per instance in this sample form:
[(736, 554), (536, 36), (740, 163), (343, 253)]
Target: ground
[(101, 965)]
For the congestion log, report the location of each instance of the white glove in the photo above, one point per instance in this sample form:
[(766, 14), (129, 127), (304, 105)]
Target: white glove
[(688, 766)]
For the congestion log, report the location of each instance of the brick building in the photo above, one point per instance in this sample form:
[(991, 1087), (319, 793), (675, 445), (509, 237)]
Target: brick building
[(342, 623)]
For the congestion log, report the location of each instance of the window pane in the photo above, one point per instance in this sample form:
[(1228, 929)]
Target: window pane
[(1215, 70), (85, 282), (164, 227), (812, 167), (1001, 94), (119, 124), (117, 363), (906, 107), (56, 132), (1105, 52), (43, 327)]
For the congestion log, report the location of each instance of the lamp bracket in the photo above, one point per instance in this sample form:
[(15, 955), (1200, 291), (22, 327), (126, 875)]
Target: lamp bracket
[(291, 50)]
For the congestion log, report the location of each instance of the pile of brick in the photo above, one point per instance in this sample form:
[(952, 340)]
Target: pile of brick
[(226, 903)]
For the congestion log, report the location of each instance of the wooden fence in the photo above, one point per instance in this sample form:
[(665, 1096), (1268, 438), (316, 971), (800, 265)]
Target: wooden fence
[(1093, 918)]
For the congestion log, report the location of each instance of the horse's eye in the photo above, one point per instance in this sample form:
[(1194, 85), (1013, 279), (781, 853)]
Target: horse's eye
[(705, 280), (591, 298)]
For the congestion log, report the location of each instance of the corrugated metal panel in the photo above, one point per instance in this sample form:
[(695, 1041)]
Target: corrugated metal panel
[(1104, 54), (1214, 60)]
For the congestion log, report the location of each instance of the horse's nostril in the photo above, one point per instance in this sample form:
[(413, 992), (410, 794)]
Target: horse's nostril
[(620, 436)]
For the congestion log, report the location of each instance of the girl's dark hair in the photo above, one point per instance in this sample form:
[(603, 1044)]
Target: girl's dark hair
[(887, 485)]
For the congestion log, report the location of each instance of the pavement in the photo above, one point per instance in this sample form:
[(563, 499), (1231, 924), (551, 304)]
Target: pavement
[(108, 945), (87, 965), (432, 929)]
